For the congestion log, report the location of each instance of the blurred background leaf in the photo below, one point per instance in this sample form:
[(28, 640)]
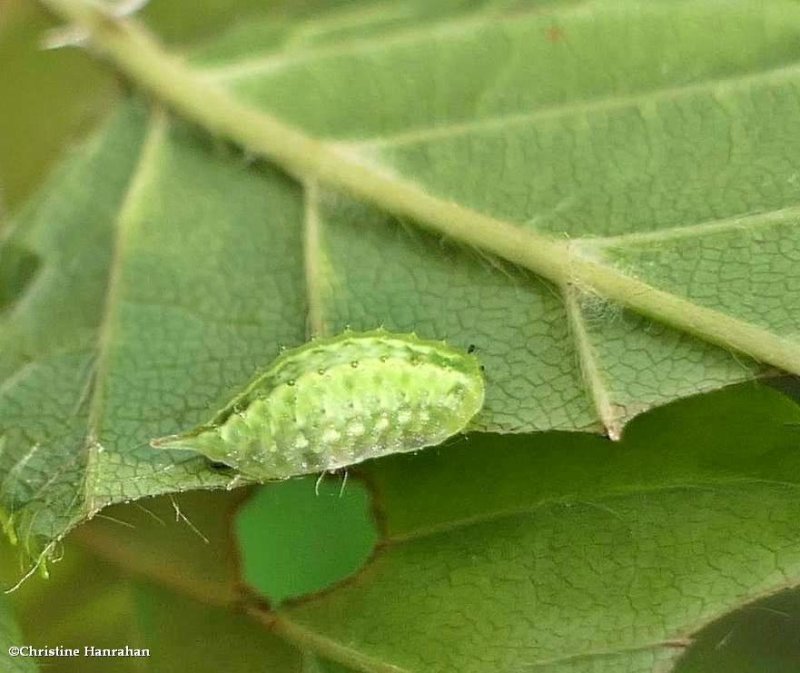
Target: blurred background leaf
[(47, 99), (762, 637), (11, 636)]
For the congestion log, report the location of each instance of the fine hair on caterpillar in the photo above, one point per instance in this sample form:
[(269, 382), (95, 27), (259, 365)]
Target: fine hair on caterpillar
[(340, 400)]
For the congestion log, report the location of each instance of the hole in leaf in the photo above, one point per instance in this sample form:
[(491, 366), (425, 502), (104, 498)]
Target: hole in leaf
[(294, 542)]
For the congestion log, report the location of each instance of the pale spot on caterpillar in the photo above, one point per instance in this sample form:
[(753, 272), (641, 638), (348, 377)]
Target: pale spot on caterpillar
[(341, 400), (331, 436), (356, 429)]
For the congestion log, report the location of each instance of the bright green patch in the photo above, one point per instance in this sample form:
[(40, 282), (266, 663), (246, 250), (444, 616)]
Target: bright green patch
[(296, 538)]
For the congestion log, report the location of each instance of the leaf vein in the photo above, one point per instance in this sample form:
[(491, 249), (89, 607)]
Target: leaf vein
[(750, 221), (312, 242), (137, 183), (460, 28), (590, 368), (716, 87)]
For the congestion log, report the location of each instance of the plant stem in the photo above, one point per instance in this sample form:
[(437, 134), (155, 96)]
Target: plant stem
[(145, 62)]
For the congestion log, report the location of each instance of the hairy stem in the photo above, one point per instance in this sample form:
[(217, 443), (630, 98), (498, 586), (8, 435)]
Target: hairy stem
[(145, 62)]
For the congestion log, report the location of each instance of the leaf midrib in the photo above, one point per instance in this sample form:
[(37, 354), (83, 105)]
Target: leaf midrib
[(137, 54)]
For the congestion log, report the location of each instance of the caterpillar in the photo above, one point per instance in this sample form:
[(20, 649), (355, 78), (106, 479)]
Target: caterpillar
[(338, 401)]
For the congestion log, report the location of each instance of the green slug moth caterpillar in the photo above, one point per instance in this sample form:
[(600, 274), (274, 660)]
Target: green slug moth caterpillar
[(341, 400)]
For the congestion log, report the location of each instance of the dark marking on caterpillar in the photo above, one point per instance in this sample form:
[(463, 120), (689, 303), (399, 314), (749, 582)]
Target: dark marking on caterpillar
[(219, 467), (341, 400)]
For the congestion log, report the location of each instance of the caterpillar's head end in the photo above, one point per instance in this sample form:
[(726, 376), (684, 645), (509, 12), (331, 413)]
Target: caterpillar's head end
[(173, 442), (200, 440)]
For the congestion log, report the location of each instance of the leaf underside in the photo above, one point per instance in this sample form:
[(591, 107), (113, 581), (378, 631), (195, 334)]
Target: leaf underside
[(169, 268)]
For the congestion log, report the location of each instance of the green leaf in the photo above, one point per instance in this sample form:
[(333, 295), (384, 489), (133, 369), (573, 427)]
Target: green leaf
[(565, 553), (588, 164)]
